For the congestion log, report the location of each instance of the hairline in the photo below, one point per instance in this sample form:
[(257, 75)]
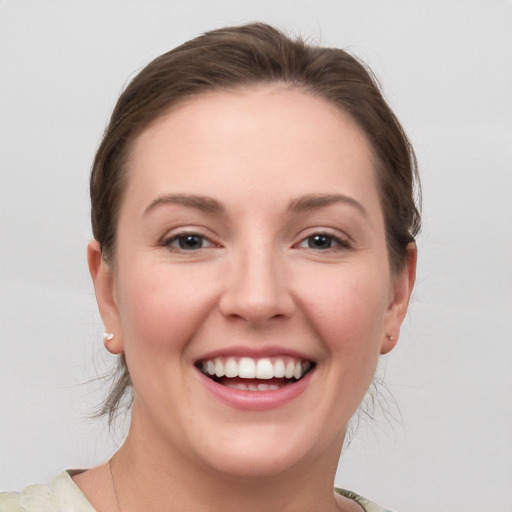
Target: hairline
[(244, 87)]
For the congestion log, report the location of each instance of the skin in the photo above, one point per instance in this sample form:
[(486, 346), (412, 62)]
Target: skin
[(257, 280)]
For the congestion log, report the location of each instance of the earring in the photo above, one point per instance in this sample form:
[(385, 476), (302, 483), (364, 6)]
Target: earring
[(390, 337), (108, 336)]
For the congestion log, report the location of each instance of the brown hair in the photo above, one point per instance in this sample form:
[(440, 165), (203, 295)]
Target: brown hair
[(246, 55)]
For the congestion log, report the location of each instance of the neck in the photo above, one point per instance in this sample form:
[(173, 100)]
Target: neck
[(152, 476)]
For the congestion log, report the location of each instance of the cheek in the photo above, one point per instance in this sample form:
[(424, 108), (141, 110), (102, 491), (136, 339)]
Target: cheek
[(348, 318), (160, 308), (348, 311)]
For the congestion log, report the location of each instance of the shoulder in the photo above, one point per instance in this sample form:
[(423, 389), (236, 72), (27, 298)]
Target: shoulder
[(368, 506), (60, 495)]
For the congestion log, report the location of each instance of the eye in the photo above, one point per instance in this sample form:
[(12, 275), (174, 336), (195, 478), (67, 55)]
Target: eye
[(188, 242), (323, 242)]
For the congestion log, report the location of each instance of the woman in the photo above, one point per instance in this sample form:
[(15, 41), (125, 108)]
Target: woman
[(254, 220)]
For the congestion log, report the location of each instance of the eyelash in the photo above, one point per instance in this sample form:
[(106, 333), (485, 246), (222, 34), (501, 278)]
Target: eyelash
[(340, 243), (168, 242)]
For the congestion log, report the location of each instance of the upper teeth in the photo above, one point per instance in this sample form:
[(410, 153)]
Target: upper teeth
[(249, 368)]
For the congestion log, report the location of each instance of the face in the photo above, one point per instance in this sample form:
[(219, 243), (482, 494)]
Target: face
[(252, 290)]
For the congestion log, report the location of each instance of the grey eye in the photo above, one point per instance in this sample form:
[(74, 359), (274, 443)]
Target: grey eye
[(323, 242), (188, 242), (319, 242)]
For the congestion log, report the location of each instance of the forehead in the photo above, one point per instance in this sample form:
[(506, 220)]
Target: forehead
[(265, 138)]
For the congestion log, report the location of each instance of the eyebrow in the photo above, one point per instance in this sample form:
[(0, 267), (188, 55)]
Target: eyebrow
[(203, 203), (210, 205), (314, 201)]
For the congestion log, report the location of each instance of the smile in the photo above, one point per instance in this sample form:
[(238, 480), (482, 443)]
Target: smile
[(247, 373)]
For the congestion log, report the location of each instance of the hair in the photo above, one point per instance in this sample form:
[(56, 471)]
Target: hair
[(235, 57)]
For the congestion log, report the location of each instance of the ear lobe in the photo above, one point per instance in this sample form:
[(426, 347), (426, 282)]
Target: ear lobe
[(103, 281), (403, 284)]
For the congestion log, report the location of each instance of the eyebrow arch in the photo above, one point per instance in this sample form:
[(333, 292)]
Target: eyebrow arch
[(203, 203), (314, 201)]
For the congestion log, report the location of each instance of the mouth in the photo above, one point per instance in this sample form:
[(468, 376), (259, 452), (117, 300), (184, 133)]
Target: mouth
[(255, 374)]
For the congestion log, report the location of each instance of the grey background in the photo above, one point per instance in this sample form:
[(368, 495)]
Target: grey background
[(446, 68)]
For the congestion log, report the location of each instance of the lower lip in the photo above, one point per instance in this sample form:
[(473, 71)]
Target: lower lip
[(256, 400)]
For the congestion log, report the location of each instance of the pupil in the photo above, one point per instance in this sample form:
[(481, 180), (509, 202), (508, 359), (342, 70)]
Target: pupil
[(190, 242), (320, 242)]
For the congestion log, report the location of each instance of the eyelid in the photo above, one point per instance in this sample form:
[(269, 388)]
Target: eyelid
[(177, 233), (342, 240)]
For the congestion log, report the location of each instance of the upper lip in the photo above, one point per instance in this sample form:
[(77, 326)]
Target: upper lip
[(254, 353)]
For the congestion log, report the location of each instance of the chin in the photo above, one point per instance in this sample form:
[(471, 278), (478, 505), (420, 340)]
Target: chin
[(259, 452), (255, 465)]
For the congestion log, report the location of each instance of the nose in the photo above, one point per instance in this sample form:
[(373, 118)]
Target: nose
[(256, 288)]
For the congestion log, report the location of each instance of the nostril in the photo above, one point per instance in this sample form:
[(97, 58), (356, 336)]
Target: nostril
[(256, 290), (254, 309)]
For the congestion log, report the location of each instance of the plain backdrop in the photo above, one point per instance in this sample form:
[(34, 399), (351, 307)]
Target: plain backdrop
[(446, 69)]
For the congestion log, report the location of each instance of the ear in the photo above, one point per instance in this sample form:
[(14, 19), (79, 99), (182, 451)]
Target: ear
[(103, 280), (402, 285)]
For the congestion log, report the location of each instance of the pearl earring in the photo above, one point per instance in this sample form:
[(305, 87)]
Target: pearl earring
[(390, 337), (108, 336)]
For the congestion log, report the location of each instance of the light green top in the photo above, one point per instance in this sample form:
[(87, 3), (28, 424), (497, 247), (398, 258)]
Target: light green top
[(63, 495), (60, 495)]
